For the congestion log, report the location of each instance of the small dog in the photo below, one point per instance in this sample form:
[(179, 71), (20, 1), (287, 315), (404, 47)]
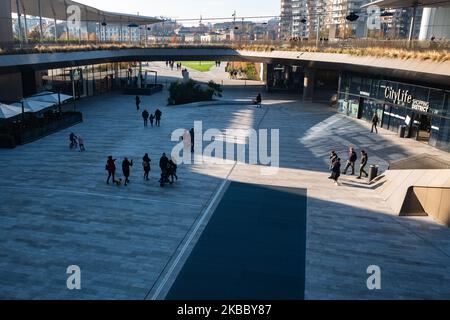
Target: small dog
[(119, 182)]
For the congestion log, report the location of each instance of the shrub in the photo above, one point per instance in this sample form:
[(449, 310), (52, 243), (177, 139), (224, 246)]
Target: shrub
[(191, 91)]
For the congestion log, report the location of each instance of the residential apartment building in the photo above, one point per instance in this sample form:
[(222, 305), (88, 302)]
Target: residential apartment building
[(337, 24), (316, 18), (294, 19)]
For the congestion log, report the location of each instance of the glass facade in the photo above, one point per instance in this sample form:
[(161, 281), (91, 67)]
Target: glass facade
[(424, 111)]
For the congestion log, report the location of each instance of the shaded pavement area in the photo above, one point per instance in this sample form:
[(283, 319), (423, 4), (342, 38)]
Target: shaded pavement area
[(246, 251)]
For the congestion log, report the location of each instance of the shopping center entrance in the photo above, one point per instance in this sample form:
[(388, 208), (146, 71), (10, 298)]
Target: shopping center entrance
[(422, 127)]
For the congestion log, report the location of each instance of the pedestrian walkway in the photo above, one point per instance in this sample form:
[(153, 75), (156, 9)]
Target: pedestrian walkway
[(56, 209)]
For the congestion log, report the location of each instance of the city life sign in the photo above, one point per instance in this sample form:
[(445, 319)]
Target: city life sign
[(403, 97)]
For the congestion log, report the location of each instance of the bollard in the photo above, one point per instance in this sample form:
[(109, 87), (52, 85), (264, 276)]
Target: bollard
[(402, 131), (373, 172)]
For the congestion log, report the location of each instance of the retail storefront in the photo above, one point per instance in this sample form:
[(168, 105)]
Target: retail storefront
[(423, 111)]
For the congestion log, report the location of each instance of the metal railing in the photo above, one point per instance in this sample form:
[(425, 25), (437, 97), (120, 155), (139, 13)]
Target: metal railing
[(323, 45)]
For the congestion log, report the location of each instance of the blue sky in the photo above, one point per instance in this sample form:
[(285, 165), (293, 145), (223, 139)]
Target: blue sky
[(189, 8)]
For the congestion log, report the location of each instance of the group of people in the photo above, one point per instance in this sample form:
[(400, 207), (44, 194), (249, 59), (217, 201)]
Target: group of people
[(335, 164), (147, 116), (152, 117), (234, 73), (168, 170), (171, 65), (76, 141)]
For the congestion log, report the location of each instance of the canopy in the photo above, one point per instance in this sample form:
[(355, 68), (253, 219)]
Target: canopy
[(57, 9), (50, 97), (8, 111), (396, 4), (33, 106)]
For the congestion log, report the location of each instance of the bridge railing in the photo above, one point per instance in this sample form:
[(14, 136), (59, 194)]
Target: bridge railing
[(322, 45)]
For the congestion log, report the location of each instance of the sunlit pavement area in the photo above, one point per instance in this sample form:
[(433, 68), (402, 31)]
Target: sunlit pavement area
[(131, 242)]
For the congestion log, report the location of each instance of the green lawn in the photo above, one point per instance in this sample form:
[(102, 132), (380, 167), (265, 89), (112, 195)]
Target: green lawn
[(202, 66)]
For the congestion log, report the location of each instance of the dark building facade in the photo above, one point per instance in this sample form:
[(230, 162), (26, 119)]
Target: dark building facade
[(421, 112)]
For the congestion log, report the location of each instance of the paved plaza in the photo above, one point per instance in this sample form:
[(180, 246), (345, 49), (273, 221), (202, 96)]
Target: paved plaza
[(130, 242)]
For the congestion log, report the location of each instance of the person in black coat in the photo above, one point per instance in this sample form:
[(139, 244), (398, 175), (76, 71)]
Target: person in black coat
[(126, 164), (364, 159), (352, 157), (258, 101), (145, 116), (138, 102), (163, 164), (158, 115), (375, 121), (146, 166), (151, 118), (336, 171)]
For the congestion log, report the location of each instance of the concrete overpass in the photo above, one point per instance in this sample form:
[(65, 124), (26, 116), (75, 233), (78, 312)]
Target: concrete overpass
[(427, 71), (436, 74)]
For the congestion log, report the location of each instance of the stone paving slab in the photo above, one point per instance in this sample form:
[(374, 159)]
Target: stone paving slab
[(56, 209)]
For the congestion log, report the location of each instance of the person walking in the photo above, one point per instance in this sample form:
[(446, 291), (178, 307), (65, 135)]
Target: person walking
[(126, 164), (145, 116), (336, 171), (163, 164), (146, 166), (333, 158), (73, 140), (158, 115), (258, 101), (352, 157), (111, 168), (81, 143), (138, 102), (151, 118), (375, 121), (364, 158)]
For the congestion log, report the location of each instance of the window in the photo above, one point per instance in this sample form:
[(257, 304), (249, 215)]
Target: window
[(443, 140), (398, 117), (355, 85), (436, 102)]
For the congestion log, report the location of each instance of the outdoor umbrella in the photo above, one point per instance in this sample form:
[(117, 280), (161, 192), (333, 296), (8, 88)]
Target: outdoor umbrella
[(7, 111), (50, 97), (32, 105)]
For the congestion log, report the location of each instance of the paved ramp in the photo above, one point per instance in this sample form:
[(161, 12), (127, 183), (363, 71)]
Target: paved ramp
[(252, 248)]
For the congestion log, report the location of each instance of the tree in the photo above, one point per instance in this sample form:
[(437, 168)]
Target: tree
[(34, 34)]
